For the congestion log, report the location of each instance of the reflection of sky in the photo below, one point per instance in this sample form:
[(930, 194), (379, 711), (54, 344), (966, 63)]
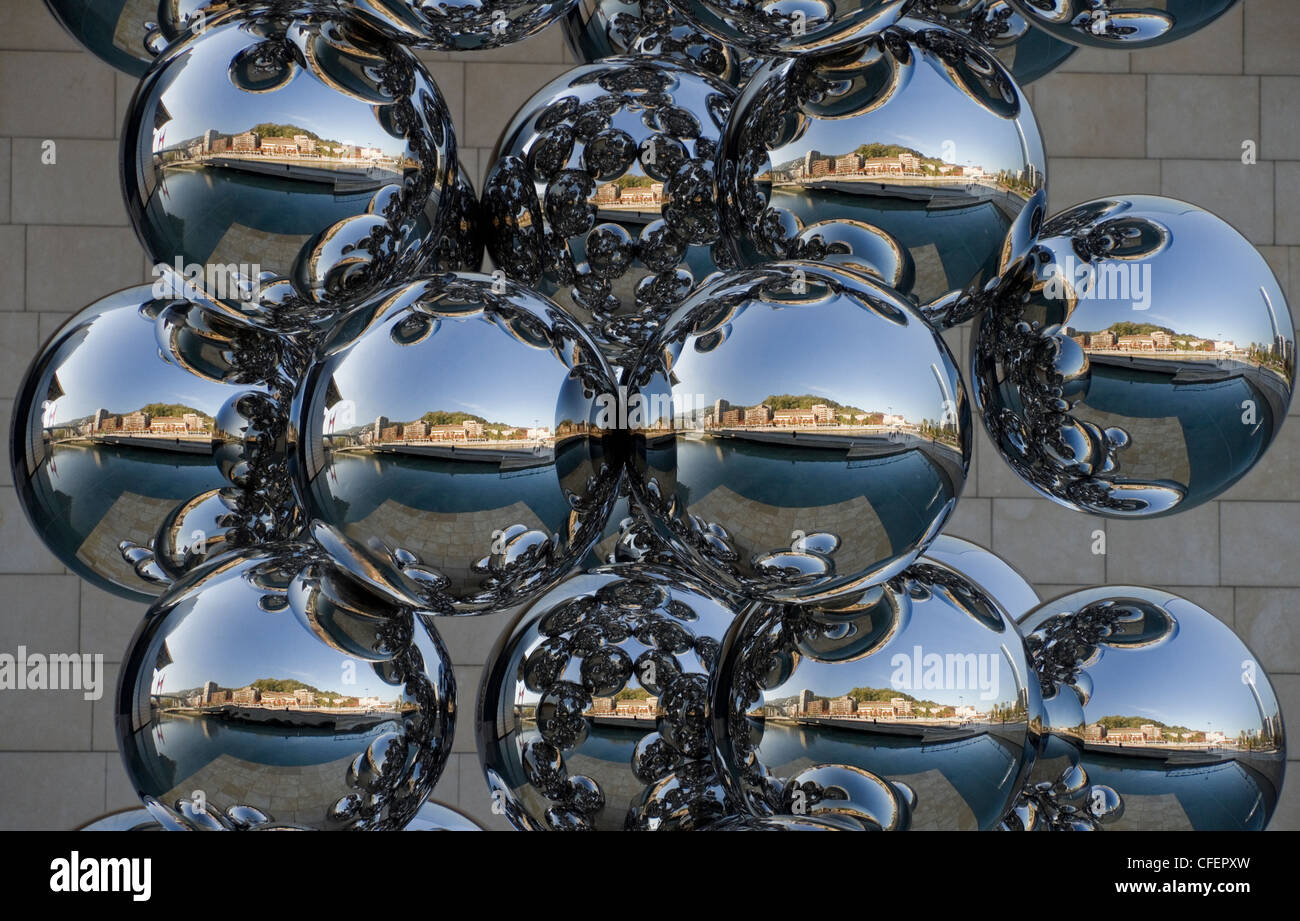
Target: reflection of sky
[(835, 679), (1205, 285), (117, 368), (283, 648), (304, 101), (833, 350), (977, 136), (476, 367), (1156, 682)]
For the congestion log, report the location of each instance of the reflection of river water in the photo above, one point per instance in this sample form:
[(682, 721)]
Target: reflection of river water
[(969, 765), (906, 490), (226, 197), (1220, 448), (1216, 796), (178, 747), (966, 238)]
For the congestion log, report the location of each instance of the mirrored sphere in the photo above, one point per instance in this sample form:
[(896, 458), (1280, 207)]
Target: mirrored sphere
[(606, 28), (1028, 53), (1159, 717), (149, 435), (459, 25), (592, 713), (799, 433), (603, 194), (804, 27), (460, 248), (290, 163), (914, 158), (1121, 24), (453, 445), (441, 817), (269, 690), (1140, 363), (911, 709)]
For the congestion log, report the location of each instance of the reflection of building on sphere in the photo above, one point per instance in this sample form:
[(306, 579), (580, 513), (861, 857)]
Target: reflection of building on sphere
[(151, 437), (308, 154), (917, 161), (592, 711), (452, 443), (270, 690), (603, 194), (813, 439), (1140, 363), (1158, 717)]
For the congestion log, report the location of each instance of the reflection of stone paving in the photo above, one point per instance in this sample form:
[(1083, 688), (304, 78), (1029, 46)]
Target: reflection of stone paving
[(131, 517), (297, 795), (617, 782), (276, 252), (450, 543), (863, 540), (126, 31), (1157, 449), (1162, 812), (931, 277)]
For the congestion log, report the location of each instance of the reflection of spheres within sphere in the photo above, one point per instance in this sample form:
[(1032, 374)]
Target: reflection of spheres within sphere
[(789, 28), (813, 439), (269, 690), (605, 28), (593, 712), (914, 158), (1028, 53), (1156, 703), (603, 193), (458, 25), (301, 151), (454, 448), (922, 690), (148, 435), (1121, 24), (1141, 362)]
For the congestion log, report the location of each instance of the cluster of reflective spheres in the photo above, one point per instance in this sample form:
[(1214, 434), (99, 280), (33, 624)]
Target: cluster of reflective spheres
[(698, 431)]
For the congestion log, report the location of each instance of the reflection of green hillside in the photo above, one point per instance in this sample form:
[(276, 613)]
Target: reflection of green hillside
[(271, 130), (807, 401), (444, 417), (632, 694), (288, 686), (1137, 722), (633, 182), (169, 409)]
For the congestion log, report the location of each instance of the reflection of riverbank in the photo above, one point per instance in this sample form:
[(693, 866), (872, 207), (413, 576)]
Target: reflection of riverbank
[(185, 444), (329, 720), (343, 176), (522, 455)]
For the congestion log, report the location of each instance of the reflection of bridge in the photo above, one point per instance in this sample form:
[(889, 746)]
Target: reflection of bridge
[(930, 730), (961, 192), (344, 176), (182, 444), (515, 457), (1185, 367)]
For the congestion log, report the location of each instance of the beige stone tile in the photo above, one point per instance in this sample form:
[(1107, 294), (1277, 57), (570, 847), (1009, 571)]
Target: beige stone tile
[(81, 187), (1227, 114), (1215, 49), (65, 95), (1242, 195), (1092, 115), (495, 92), (1047, 541), (1183, 549), (1270, 36), (70, 267)]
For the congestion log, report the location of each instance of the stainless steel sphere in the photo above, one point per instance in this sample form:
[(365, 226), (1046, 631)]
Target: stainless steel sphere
[(592, 713), (295, 161), (985, 569), (600, 29), (149, 435), (1125, 25), (456, 443), (129, 34), (1026, 52), (805, 27), (912, 709), (459, 25), (268, 690), (914, 158), (1159, 717), (799, 433), (603, 194), (1140, 363)]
